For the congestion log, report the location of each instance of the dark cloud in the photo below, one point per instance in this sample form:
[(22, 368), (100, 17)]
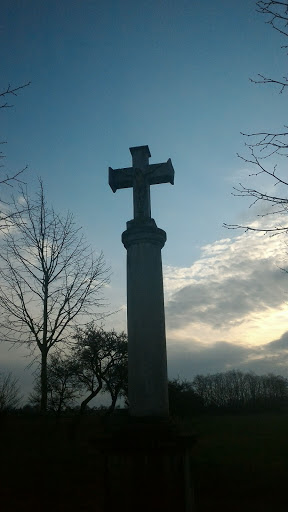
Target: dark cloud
[(202, 359), (227, 300), (278, 346), (189, 360)]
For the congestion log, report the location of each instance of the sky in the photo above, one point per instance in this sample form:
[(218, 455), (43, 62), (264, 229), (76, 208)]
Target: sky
[(106, 76)]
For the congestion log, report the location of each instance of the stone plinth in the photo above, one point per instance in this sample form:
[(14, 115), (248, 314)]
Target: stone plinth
[(147, 467), (147, 360)]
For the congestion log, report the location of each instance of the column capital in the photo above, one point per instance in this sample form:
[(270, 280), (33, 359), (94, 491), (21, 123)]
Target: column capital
[(143, 232)]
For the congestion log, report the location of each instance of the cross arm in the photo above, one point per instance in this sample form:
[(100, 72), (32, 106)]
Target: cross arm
[(156, 173), (120, 178), (161, 173)]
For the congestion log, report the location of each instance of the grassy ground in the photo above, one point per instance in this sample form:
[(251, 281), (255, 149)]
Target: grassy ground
[(240, 462), (45, 466)]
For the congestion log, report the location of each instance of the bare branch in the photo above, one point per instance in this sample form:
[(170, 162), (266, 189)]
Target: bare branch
[(266, 80), (272, 231), (11, 91), (15, 177), (277, 13)]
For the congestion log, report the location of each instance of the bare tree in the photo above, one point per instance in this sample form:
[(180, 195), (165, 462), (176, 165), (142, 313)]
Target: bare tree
[(9, 392), (268, 149), (48, 277), (102, 357)]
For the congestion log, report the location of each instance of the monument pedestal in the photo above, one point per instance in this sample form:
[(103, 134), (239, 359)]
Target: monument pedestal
[(147, 466)]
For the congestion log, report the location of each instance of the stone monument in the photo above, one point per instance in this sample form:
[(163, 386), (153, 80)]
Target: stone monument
[(147, 457), (147, 361)]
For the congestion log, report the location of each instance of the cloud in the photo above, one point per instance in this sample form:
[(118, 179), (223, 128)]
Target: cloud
[(186, 361), (237, 283), (278, 347), (225, 300), (199, 359)]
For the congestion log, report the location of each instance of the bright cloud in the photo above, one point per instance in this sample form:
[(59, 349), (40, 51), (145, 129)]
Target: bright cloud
[(236, 292)]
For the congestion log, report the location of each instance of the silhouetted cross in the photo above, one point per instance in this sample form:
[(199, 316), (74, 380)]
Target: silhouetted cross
[(140, 176)]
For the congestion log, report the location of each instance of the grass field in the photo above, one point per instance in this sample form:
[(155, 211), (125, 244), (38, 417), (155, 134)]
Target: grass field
[(240, 462)]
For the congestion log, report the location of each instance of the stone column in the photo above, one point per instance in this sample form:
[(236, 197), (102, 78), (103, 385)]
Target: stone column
[(147, 360)]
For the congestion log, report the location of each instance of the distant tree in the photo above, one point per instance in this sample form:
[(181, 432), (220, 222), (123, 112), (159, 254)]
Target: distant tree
[(10, 397), (63, 387), (63, 383), (48, 277), (221, 390), (183, 400), (234, 390), (273, 390), (116, 379), (102, 358), (268, 149)]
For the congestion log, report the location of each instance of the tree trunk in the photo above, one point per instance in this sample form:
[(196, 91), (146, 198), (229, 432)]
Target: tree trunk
[(89, 398), (113, 403), (59, 408), (44, 386), (44, 351)]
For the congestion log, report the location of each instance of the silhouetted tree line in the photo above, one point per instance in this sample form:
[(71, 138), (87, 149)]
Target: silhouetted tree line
[(228, 391), (98, 364)]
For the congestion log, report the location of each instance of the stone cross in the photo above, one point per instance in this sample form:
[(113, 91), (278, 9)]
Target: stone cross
[(140, 176), (143, 240)]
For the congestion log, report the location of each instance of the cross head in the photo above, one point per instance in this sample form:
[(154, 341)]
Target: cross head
[(139, 177)]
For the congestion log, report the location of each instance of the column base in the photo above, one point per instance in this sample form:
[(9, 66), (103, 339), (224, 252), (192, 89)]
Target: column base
[(143, 231), (148, 466)]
